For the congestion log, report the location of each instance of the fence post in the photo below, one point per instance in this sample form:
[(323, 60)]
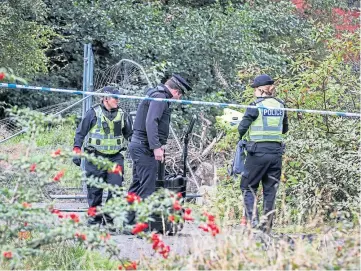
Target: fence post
[(85, 75), (91, 74), (87, 86)]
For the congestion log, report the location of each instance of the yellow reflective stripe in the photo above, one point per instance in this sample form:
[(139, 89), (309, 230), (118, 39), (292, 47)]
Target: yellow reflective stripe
[(106, 148), (100, 136)]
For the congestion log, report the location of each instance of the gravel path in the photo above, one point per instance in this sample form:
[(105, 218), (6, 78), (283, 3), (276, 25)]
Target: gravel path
[(189, 240), (133, 247)]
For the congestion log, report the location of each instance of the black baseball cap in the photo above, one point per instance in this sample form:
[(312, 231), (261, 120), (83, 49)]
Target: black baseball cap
[(262, 80)]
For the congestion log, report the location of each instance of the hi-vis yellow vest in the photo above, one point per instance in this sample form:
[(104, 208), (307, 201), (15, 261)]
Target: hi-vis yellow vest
[(106, 136), (268, 126)]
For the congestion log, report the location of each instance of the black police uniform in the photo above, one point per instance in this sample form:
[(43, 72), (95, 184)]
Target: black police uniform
[(94, 195), (263, 163), (151, 130)]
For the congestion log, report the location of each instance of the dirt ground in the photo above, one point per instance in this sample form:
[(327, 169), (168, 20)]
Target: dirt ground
[(12, 152)]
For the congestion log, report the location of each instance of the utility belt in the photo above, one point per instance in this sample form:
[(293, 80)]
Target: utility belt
[(139, 140), (91, 150), (144, 142), (254, 147)]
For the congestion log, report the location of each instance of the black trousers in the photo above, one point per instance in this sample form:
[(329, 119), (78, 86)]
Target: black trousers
[(265, 168), (95, 195), (144, 172)]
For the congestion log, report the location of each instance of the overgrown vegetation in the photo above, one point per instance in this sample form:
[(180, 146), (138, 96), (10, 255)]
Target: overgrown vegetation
[(42, 239), (288, 252), (219, 46), (321, 164), (37, 225), (66, 256), (207, 41)]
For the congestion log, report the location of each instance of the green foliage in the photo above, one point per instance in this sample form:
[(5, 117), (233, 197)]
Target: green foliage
[(38, 226), (9, 76), (67, 256), (220, 46), (228, 201), (208, 43), (322, 159), (321, 170), (321, 163), (205, 42), (60, 134), (22, 36), (24, 40), (240, 251)]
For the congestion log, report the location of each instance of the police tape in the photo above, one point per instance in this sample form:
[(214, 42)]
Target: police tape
[(187, 102)]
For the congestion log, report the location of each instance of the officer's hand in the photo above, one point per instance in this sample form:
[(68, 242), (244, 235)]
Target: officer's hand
[(77, 150), (159, 154), (77, 161)]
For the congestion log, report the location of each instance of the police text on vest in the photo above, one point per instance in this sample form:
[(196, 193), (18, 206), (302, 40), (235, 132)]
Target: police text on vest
[(272, 112)]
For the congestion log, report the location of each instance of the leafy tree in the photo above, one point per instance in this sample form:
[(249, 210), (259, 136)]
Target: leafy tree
[(23, 41), (205, 43), (23, 36)]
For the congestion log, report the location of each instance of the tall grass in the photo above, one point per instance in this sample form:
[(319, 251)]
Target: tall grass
[(249, 250), (66, 256)]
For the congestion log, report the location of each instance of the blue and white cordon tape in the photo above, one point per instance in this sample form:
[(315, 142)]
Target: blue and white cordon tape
[(223, 105)]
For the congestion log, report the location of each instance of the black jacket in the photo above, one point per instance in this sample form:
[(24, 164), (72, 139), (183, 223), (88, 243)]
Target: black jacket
[(152, 120), (90, 121)]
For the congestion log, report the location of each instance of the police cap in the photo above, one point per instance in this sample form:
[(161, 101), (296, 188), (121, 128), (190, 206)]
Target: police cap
[(180, 82), (262, 80), (112, 90)]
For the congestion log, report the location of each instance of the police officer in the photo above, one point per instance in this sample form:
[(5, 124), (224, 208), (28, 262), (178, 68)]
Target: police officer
[(151, 130), (107, 127), (263, 129)]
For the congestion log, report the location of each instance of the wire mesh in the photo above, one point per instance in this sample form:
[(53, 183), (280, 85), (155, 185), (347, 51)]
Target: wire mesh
[(126, 75), (10, 127)]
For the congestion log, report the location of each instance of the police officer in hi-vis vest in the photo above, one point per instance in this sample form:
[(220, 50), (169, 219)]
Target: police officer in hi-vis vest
[(263, 129), (108, 128)]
